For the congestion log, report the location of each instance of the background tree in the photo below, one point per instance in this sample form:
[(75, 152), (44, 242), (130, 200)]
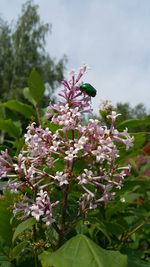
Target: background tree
[(22, 49), (127, 112), (6, 57)]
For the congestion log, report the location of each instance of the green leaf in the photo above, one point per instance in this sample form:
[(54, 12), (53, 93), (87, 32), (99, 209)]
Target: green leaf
[(130, 124), (115, 228), (10, 127), (134, 258), (139, 140), (23, 226), (16, 251), (5, 215), (28, 96), (92, 229), (80, 251), (6, 263), (36, 85), (26, 110)]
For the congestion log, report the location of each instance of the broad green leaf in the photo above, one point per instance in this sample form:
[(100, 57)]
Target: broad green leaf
[(26, 110), (130, 124), (10, 127), (28, 96), (23, 226), (80, 251), (36, 85)]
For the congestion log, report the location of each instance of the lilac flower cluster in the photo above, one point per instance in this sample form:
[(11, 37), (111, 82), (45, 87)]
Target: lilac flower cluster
[(68, 112), (49, 160)]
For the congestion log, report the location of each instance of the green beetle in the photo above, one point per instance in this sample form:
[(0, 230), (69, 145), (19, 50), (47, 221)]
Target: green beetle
[(88, 89)]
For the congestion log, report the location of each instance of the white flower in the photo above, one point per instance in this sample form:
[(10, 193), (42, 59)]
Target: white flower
[(64, 108), (99, 154), (85, 177), (83, 140), (36, 212), (55, 145), (113, 116), (80, 144), (82, 179), (71, 154), (61, 178), (122, 199), (75, 112)]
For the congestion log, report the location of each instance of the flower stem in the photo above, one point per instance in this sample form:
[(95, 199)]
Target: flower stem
[(34, 249), (63, 215)]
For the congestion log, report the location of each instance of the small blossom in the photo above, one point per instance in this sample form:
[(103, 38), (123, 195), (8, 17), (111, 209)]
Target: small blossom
[(80, 144), (6, 164), (13, 186), (122, 199), (55, 145), (85, 177), (113, 116), (87, 202), (61, 178), (36, 212), (106, 105), (42, 209), (71, 154)]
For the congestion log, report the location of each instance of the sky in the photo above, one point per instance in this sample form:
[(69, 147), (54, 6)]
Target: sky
[(111, 36)]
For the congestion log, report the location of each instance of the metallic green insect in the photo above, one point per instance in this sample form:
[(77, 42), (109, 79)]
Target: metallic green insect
[(88, 89)]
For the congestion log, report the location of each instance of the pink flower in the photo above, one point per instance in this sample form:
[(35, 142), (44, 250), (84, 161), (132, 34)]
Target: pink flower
[(61, 177), (6, 164), (78, 154), (43, 208), (73, 103)]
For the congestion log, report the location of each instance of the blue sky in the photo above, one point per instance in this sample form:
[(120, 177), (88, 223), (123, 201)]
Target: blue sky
[(111, 36)]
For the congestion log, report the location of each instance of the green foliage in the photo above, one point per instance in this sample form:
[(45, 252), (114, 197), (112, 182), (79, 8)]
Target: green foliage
[(131, 124), (17, 250), (33, 93), (10, 254), (136, 119), (23, 226), (6, 230), (28, 96), (26, 110), (5, 216), (81, 251), (127, 112), (139, 141), (36, 86), (10, 127)]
